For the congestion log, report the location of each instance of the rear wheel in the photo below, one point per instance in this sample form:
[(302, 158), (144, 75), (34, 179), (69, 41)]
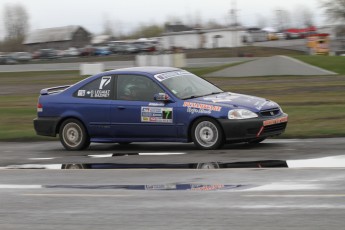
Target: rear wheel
[(75, 166), (73, 135), (207, 134)]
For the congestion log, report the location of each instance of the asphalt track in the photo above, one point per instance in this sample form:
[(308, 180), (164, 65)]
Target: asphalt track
[(267, 199), (52, 152), (156, 186)]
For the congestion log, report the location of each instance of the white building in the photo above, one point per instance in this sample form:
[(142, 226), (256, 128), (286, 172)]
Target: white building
[(209, 38)]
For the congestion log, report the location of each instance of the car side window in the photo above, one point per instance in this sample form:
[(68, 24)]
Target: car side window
[(136, 88), (101, 88)]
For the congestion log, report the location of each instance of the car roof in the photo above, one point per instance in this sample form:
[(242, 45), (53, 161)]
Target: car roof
[(144, 70)]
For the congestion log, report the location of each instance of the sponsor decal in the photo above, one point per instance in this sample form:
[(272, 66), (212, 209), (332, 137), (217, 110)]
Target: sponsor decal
[(222, 98), (160, 187), (156, 104), (81, 93), (194, 110), (197, 187), (145, 119), (101, 93), (157, 114), (259, 105), (98, 93), (104, 82), (202, 107), (165, 76), (275, 121)]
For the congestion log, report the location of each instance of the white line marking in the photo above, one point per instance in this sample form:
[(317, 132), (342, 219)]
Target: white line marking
[(284, 187), (20, 186), (129, 154), (34, 166), (75, 195), (160, 154), (101, 156), (47, 158), (301, 206), (298, 195), (324, 162)]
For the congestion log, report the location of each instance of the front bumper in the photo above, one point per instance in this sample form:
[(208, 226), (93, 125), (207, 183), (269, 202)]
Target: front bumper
[(46, 126), (253, 129)]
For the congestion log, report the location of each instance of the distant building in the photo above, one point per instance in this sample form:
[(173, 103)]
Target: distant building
[(60, 38), (255, 35), (177, 28), (209, 38), (101, 40)]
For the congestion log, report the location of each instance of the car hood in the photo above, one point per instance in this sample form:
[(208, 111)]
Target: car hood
[(234, 100)]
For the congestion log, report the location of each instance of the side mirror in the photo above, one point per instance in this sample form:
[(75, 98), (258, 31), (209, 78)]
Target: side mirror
[(162, 97)]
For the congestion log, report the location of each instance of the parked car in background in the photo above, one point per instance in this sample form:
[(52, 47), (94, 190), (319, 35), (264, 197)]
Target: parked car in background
[(281, 35), (102, 51), (21, 56), (116, 46), (71, 52), (145, 46), (129, 49), (87, 51), (36, 55), (7, 60), (48, 54)]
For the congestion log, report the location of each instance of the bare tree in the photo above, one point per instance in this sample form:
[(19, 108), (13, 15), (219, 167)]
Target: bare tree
[(334, 9), (282, 19), (108, 27), (303, 16), (16, 20), (16, 26), (147, 31), (213, 24), (261, 21), (174, 20)]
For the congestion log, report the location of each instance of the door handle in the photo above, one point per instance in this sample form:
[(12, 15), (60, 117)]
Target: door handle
[(121, 107)]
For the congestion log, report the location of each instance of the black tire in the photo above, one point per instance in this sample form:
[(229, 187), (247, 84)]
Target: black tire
[(75, 166), (207, 134), (73, 135), (208, 165)]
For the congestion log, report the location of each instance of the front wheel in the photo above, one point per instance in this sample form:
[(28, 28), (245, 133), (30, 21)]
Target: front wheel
[(73, 135), (207, 134)]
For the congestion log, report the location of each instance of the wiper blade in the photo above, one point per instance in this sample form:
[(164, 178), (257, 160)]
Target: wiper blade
[(191, 97), (212, 93), (195, 96)]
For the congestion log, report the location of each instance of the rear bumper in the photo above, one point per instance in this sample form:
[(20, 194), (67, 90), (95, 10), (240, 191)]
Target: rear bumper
[(46, 126), (253, 129)]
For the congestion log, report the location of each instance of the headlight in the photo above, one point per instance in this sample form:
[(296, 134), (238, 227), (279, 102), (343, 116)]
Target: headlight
[(241, 114)]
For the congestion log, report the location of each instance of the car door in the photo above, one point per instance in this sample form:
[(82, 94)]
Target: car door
[(135, 114), (93, 105)]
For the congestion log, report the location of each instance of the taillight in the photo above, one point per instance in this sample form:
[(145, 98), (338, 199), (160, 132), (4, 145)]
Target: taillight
[(39, 107)]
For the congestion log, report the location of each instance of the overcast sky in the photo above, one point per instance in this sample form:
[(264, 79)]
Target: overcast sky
[(129, 14)]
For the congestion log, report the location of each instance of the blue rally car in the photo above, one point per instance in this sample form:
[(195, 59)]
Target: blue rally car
[(154, 104)]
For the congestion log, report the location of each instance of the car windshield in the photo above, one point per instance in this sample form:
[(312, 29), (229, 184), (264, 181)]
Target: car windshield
[(188, 86)]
